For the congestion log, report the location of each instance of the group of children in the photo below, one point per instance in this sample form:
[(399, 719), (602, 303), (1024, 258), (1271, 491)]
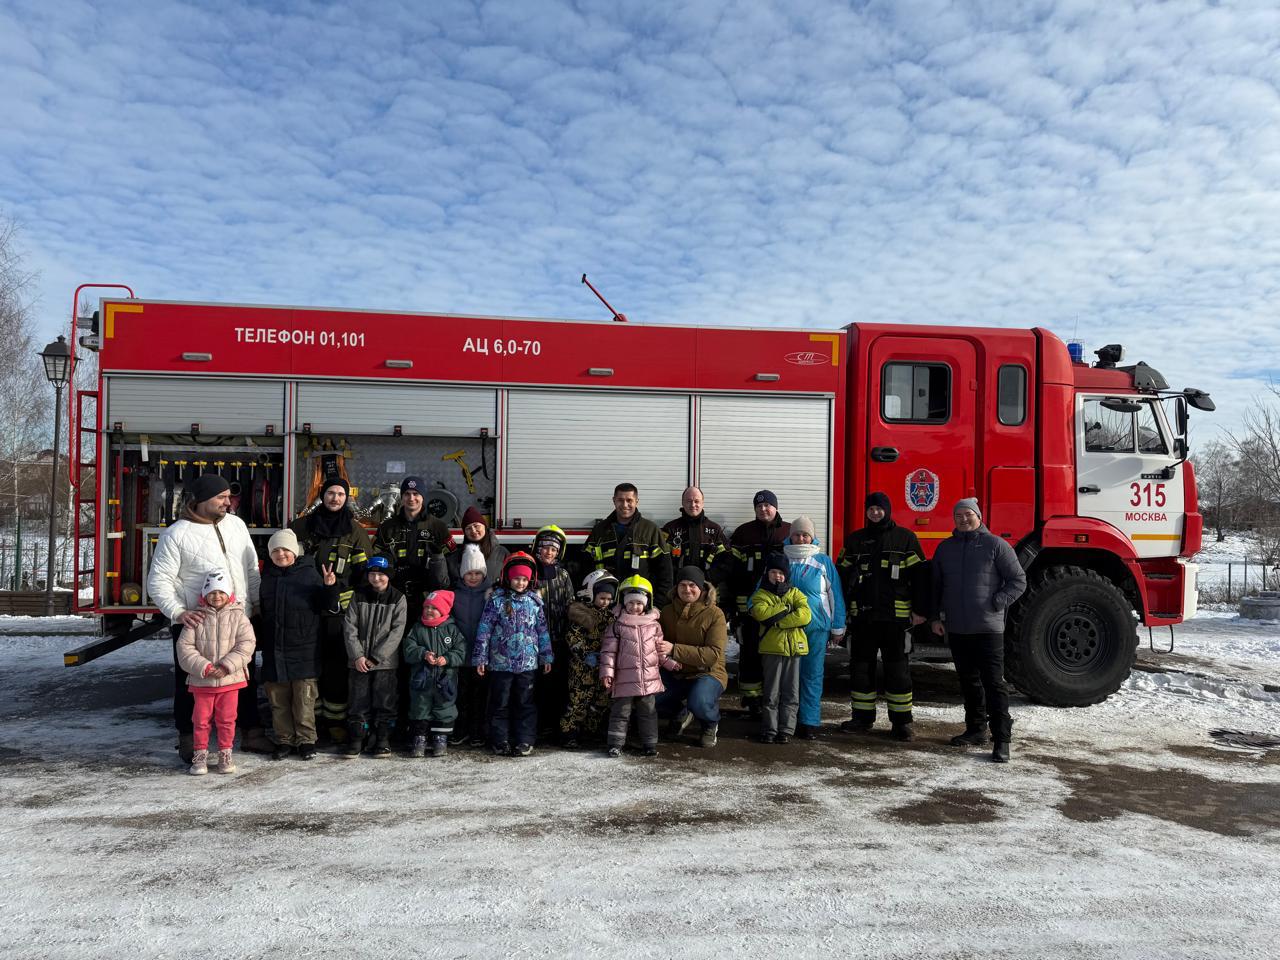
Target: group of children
[(502, 632)]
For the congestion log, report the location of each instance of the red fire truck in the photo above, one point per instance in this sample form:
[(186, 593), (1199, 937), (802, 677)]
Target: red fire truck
[(1083, 468)]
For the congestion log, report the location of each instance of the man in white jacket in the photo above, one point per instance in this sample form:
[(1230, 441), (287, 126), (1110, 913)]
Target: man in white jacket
[(206, 538)]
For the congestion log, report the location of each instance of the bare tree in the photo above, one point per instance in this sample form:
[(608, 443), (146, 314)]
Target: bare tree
[(1257, 449), (1218, 482), (24, 404)]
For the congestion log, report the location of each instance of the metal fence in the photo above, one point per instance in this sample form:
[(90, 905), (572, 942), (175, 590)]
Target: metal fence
[(1229, 580), (23, 561)]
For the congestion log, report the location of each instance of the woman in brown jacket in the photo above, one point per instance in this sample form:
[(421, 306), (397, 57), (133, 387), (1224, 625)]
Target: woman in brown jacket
[(694, 635)]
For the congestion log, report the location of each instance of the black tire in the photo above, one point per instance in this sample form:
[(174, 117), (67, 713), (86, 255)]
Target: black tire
[(1072, 638)]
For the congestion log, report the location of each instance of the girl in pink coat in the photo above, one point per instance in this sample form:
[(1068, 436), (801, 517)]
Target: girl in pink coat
[(215, 655), (630, 664)]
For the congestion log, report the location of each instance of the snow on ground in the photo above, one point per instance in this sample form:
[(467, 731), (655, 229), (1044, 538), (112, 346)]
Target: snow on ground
[(1118, 831)]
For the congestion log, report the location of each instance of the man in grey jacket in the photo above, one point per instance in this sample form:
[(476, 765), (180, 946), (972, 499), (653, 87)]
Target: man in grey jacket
[(976, 578)]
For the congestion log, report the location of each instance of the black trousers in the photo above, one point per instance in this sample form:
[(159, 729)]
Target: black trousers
[(888, 639), (979, 660), (750, 666), (473, 691), (552, 690), (372, 697), (331, 706), (513, 714), (184, 703), (646, 711)]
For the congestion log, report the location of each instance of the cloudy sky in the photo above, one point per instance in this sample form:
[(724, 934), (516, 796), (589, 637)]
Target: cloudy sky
[(1108, 170)]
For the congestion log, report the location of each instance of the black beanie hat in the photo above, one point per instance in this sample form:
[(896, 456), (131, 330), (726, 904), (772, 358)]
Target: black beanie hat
[(880, 500), (336, 482), (693, 575), (778, 561), (206, 487)]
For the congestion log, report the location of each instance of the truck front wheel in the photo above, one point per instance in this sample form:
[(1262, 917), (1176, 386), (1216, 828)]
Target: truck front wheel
[(1071, 640)]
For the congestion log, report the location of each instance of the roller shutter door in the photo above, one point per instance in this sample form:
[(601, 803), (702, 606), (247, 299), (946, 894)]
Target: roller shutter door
[(173, 404), (566, 452), (781, 444), (420, 411)]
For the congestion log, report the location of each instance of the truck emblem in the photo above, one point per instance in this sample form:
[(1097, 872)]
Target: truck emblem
[(923, 490), (806, 358)]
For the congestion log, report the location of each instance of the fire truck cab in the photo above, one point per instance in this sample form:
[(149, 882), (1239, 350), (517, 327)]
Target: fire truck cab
[(1081, 468)]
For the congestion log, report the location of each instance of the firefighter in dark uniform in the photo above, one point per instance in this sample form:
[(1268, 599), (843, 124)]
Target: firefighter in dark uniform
[(332, 536), (749, 547), (695, 540), (419, 544), (887, 589), (628, 545)]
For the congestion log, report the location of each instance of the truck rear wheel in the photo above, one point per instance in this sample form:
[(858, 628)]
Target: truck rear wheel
[(1072, 638)]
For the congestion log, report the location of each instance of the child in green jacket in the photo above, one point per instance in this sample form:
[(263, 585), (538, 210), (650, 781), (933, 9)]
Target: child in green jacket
[(782, 612), (434, 649)]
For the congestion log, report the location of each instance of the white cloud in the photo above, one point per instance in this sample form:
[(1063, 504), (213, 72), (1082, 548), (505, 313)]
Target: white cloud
[(1111, 170)]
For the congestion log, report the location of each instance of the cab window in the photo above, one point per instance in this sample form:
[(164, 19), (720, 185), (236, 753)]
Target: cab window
[(1149, 437), (1011, 395), (915, 392), (1106, 431)]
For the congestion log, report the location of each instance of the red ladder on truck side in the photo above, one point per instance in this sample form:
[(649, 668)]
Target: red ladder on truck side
[(85, 501)]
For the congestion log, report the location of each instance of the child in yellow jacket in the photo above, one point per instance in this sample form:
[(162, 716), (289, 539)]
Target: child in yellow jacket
[(782, 612)]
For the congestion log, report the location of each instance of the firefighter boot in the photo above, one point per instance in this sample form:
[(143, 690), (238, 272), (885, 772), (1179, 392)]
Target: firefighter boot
[(381, 742), (903, 732), (1000, 752), (861, 722), (355, 739), (975, 735), (255, 740)]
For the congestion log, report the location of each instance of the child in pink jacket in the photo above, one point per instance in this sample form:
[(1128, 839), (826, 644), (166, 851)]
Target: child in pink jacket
[(215, 655), (629, 666)]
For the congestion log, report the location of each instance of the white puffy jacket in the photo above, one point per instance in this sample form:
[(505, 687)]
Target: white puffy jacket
[(188, 550)]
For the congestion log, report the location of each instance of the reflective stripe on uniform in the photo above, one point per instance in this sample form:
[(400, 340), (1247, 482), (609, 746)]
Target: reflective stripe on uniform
[(898, 702), (751, 689), (863, 701), (331, 709)]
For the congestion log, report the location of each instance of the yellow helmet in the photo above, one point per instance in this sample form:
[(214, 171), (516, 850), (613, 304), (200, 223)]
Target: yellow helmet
[(636, 584), (551, 532)]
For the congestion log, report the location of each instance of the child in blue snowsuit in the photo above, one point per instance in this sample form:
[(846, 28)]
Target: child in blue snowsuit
[(814, 574), (512, 643)]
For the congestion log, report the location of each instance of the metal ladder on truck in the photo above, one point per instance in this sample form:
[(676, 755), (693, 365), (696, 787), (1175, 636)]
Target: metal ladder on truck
[(85, 480)]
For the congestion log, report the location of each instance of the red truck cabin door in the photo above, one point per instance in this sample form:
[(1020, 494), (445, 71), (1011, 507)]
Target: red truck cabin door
[(921, 403)]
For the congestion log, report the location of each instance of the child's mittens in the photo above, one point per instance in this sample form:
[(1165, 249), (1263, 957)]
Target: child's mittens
[(208, 670)]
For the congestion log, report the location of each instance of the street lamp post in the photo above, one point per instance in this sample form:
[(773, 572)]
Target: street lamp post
[(57, 367)]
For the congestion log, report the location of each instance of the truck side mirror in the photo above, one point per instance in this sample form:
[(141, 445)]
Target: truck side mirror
[(1121, 406), (1199, 399)]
